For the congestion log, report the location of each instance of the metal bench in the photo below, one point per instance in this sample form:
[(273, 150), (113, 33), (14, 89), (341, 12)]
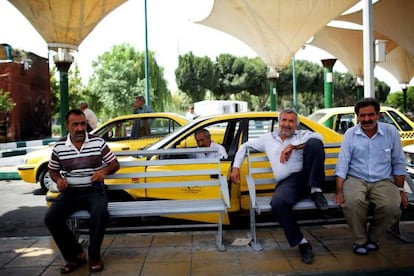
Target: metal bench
[(261, 184), (158, 174)]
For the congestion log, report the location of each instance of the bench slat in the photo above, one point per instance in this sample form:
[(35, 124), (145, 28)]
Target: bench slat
[(258, 170), (203, 172), (153, 174)]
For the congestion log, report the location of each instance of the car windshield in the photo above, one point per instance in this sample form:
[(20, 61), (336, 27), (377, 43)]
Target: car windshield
[(316, 116), (170, 136), (405, 126)]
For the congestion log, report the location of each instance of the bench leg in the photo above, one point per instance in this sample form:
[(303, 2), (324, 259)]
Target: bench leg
[(73, 226), (219, 236), (254, 243), (396, 232)]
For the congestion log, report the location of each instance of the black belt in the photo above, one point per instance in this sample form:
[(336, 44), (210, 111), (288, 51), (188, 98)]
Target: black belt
[(80, 189)]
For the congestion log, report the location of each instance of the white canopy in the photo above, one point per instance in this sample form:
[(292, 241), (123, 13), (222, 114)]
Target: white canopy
[(346, 45), (275, 29), (393, 18), (65, 22), (400, 64)]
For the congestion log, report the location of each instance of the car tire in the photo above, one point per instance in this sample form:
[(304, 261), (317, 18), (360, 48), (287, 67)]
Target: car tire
[(45, 181)]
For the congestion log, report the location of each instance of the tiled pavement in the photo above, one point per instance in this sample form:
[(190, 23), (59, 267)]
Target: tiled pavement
[(194, 253)]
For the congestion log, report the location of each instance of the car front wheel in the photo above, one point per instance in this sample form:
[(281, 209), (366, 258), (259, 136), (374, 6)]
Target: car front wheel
[(46, 182)]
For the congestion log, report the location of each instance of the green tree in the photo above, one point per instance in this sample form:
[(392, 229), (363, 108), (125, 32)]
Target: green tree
[(119, 76), (396, 99), (195, 75)]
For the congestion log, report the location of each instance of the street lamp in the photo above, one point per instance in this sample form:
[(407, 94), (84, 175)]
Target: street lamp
[(272, 76), (63, 60), (404, 88)]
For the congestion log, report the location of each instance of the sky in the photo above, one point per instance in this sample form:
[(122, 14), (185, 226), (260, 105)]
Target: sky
[(171, 31)]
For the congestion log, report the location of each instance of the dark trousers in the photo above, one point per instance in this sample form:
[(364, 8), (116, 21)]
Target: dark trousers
[(94, 200), (293, 188)]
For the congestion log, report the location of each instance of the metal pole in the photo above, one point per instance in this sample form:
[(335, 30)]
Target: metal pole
[(368, 46), (272, 94), (147, 82), (63, 68), (404, 89), (328, 81), (295, 97)]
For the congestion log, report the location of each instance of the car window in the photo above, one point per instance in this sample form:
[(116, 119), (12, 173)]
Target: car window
[(385, 118), (162, 126), (137, 128), (217, 133), (344, 121), (405, 126), (258, 127), (152, 127), (116, 131)]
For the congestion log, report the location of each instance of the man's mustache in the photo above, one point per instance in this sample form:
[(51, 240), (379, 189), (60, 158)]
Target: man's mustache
[(367, 122)]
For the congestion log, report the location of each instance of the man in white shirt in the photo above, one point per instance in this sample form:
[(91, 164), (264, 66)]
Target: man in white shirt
[(190, 113), (297, 158), (91, 118), (203, 139)]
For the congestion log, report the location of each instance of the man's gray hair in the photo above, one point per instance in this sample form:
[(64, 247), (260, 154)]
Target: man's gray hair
[(289, 111)]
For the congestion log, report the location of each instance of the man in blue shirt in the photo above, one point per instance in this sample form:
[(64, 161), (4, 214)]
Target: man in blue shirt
[(297, 158), (371, 165), (140, 106)]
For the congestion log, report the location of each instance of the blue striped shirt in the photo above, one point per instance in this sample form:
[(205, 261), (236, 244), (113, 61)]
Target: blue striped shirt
[(371, 159)]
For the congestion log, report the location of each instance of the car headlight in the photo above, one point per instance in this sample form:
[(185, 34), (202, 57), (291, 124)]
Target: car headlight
[(409, 159)]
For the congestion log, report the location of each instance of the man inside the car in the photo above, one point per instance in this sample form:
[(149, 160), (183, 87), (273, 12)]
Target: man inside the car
[(203, 139)]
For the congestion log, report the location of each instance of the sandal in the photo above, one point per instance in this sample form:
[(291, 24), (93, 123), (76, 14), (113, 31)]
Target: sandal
[(71, 266), (359, 249), (372, 246), (96, 266)]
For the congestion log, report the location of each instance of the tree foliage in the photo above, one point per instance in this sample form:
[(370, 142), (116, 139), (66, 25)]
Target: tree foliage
[(195, 75), (119, 76)]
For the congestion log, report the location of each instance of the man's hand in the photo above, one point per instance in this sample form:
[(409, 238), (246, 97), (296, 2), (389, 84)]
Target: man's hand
[(61, 184), (404, 200), (98, 176), (235, 175), (286, 153), (339, 199)]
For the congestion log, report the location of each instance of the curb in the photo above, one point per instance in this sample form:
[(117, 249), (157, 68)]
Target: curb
[(21, 148), (9, 176)]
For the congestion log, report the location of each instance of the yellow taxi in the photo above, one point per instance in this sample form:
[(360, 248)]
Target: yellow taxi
[(229, 130), (129, 132), (342, 118)]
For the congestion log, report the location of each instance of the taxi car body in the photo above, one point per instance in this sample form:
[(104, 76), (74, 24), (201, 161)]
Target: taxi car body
[(229, 130), (129, 132), (342, 118)]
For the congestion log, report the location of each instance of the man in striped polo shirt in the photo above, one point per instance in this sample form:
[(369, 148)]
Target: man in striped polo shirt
[(79, 164)]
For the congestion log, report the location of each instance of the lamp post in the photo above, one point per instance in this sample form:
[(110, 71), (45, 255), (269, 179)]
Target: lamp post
[(63, 59), (272, 76), (404, 88), (328, 80), (359, 88), (328, 85)]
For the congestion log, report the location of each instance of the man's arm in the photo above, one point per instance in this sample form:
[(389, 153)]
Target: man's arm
[(60, 181), (111, 168), (339, 194)]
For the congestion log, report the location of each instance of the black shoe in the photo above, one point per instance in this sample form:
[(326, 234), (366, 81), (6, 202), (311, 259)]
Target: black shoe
[(372, 246), (359, 249), (306, 253), (320, 200)]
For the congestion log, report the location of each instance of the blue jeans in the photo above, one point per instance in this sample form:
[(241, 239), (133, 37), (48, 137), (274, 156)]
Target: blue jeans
[(94, 200), (297, 185)]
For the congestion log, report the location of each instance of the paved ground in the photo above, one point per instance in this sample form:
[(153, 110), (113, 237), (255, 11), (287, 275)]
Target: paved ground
[(194, 253)]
